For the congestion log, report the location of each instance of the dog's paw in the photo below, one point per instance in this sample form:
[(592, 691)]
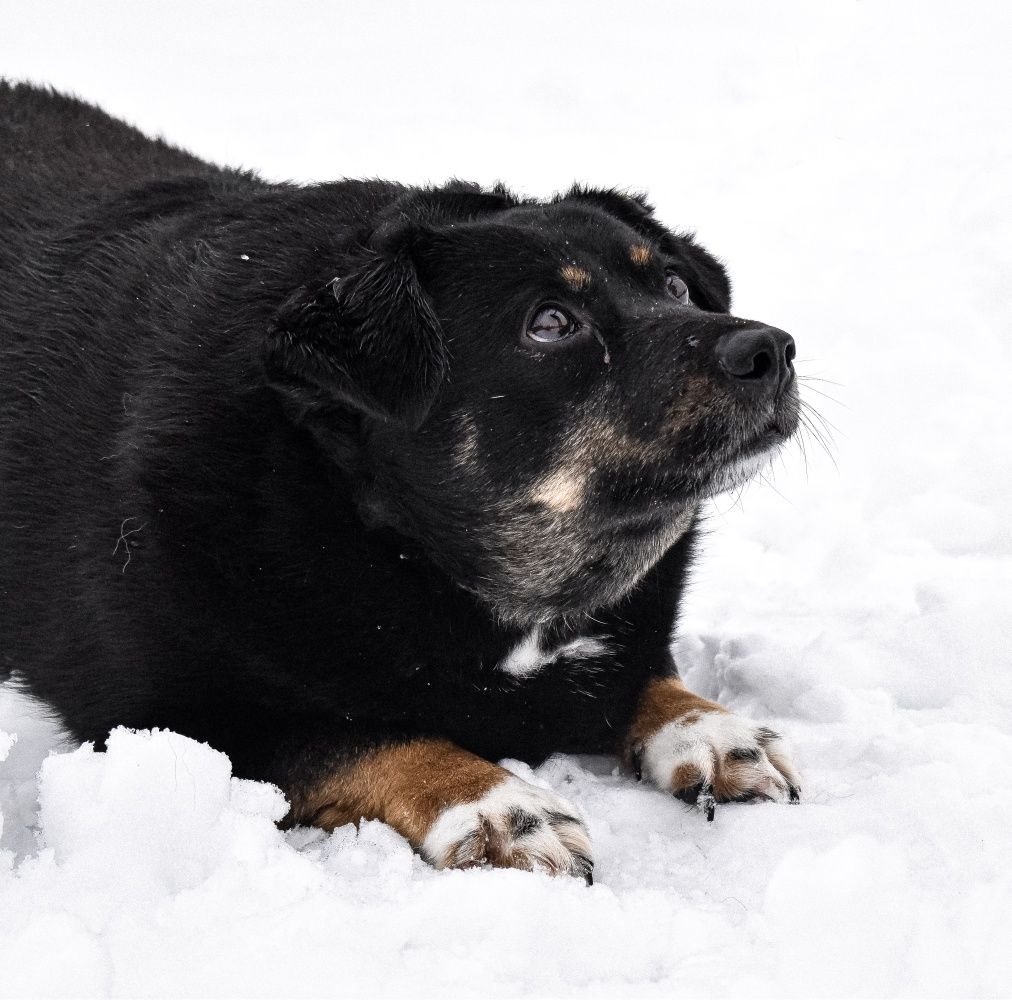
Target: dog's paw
[(712, 756), (514, 825)]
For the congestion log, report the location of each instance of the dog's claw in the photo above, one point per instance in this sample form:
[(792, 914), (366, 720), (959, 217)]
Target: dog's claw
[(583, 866), (706, 802), (636, 760)]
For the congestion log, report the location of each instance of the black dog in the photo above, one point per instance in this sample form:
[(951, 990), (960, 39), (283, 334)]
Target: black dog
[(367, 485)]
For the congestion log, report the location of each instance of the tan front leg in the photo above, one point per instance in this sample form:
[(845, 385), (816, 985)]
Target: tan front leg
[(700, 751), (455, 809)]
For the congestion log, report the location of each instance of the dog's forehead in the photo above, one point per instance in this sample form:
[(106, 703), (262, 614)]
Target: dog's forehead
[(576, 240), (578, 228)]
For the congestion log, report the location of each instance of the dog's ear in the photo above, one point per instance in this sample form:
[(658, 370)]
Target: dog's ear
[(455, 202), (629, 206), (705, 274), (368, 339)]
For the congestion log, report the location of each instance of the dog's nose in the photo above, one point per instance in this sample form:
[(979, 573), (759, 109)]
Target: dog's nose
[(758, 355)]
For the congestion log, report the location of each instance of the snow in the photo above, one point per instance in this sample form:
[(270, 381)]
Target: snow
[(850, 161)]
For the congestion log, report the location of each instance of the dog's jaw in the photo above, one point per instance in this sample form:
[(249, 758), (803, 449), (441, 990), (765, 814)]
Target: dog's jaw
[(740, 471), (572, 568), (731, 444)]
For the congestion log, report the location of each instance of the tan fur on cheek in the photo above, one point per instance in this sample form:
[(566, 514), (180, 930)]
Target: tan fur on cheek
[(695, 398), (561, 491), (605, 443), (406, 786)]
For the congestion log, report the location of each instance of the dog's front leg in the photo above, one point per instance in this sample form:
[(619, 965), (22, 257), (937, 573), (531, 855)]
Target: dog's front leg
[(456, 809), (703, 753)]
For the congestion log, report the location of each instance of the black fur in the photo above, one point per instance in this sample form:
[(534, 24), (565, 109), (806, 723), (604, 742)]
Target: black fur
[(271, 456)]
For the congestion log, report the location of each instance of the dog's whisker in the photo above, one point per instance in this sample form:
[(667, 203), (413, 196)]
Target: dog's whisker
[(769, 483), (818, 436), (825, 395), (817, 378), (807, 406), (804, 453), (826, 428)]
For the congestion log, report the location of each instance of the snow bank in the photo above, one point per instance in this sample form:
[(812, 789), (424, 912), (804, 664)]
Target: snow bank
[(161, 875), (851, 163)]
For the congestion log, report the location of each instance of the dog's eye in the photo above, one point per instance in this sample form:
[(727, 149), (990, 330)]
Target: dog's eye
[(677, 288), (551, 324)]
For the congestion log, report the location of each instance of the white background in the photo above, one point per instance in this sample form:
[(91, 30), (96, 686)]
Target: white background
[(851, 163)]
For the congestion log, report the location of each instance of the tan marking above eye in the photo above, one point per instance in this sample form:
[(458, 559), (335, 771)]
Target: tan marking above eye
[(575, 277), (639, 254)]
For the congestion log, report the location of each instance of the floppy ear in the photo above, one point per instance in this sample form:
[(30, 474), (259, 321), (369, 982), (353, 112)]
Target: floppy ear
[(706, 274), (631, 207), (368, 340), (454, 202)]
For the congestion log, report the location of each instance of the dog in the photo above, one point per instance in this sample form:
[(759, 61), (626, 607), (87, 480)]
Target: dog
[(367, 485)]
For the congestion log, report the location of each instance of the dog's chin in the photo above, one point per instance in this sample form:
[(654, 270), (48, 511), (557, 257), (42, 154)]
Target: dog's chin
[(748, 462), (733, 477), (748, 445), (647, 502)]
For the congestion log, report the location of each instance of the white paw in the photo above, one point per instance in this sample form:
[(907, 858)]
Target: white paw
[(515, 825), (716, 756)]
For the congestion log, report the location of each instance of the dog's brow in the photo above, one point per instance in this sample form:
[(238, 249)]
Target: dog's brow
[(575, 277), (639, 254)]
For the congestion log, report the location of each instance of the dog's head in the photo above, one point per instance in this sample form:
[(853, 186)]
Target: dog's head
[(544, 391)]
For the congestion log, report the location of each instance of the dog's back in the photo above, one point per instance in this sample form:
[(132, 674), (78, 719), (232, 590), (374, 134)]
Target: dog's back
[(115, 252), (61, 161), (60, 153)]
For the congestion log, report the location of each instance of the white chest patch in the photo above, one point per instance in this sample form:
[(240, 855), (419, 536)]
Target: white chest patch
[(528, 656)]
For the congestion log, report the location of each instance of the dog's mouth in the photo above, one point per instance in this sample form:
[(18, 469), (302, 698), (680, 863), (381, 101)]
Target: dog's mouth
[(713, 458), (745, 454), (776, 433)]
